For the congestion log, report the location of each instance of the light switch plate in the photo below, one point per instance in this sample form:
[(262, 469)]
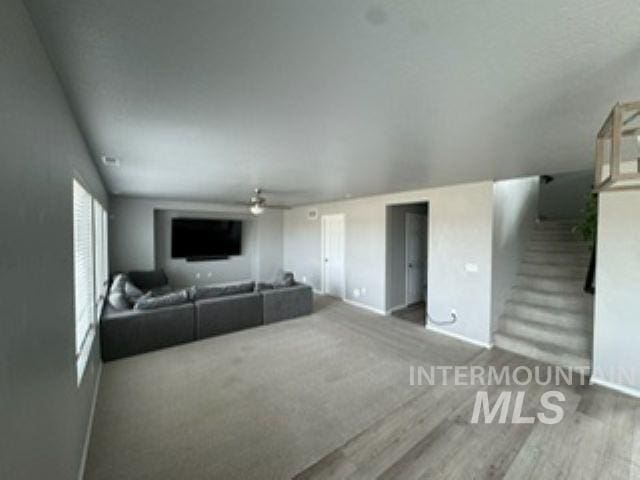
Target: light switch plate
[(471, 267)]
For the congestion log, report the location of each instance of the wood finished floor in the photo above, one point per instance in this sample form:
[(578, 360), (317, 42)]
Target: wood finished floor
[(431, 436), (413, 313), (338, 383)]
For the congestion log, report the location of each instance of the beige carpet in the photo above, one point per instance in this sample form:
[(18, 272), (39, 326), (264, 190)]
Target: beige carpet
[(263, 403)]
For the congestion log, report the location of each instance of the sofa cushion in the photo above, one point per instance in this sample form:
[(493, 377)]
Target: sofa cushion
[(117, 295), (213, 291), (149, 302), (262, 286), (159, 291), (217, 316), (131, 292), (129, 332), (147, 280), (290, 302)]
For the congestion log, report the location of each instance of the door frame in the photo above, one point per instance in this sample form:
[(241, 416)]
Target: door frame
[(323, 218), (424, 218)]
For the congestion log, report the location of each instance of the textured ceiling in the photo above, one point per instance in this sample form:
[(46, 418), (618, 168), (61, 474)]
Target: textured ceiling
[(204, 99)]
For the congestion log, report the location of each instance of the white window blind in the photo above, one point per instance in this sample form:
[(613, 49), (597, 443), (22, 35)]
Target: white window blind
[(91, 269), (105, 247), (100, 256), (83, 263)]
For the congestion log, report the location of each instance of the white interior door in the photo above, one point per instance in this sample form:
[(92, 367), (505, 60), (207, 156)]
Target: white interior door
[(415, 238), (333, 255)]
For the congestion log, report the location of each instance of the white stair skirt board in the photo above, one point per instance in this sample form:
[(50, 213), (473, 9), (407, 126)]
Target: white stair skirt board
[(632, 392), (547, 316), (457, 336), (366, 307)]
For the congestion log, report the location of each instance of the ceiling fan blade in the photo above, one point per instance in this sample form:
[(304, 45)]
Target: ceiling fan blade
[(277, 207), (274, 191)]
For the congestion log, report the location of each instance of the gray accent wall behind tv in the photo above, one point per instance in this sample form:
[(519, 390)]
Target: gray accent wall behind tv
[(140, 239)]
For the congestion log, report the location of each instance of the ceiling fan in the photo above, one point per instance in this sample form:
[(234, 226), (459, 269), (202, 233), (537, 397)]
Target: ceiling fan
[(258, 203)]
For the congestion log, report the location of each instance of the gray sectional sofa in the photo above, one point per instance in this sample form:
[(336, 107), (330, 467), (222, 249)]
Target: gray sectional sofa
[(132, 331)]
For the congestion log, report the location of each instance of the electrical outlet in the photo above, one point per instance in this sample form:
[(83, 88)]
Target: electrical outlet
[(197, 276), (209, 275), (356, 292), (304, 279)]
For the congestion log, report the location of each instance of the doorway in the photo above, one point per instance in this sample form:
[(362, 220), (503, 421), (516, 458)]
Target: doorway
[(406, 260), (414, 252), (332, 247)]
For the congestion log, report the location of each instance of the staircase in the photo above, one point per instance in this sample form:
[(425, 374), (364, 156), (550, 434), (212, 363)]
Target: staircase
[(548, 317)]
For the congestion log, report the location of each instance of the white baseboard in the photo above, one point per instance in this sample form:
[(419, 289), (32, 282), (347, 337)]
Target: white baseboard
[(396, 308), (87, 436), (615, 386), (457, 336), (366, 307)]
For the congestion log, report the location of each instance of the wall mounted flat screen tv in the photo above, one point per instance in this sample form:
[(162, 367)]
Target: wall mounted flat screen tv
[(198, 238)]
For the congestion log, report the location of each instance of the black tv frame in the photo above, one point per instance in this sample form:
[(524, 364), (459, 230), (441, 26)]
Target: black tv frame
[(205, 257)]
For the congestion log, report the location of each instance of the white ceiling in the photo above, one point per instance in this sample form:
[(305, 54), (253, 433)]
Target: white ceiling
[(204, 99)]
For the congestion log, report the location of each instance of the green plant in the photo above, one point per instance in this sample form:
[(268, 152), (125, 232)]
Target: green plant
[(588, 227)]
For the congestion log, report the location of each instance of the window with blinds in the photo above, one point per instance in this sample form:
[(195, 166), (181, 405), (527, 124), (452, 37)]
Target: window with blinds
[(100, 257), (91, 269)]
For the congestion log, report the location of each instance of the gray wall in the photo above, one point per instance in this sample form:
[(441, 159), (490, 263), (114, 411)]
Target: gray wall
[(140, 240), (617, 302), (460, 219), (565, 197), (396, 246), (43, 412), (515, 208)]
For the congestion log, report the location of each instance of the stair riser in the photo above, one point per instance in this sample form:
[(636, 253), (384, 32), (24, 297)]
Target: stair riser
[(570, 320), (551, 236), (576, 259), (575, 341), (551, 285), (543, 270), (574, 304), (532, 351), (568, 222), (553, 227), (564, 247)]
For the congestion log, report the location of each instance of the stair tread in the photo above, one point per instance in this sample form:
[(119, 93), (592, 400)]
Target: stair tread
[(545, 308), (555, 252), (546, 346), (577, 250), (548, 264), (548, 326), (563, 354), (550, 278), (558, 262), (554, 271), (564, 241), (550, 293)]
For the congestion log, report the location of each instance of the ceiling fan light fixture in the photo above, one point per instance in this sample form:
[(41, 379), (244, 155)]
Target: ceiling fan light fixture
[(256, 209)]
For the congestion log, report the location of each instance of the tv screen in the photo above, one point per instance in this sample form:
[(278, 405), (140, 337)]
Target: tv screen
[(204, 238)]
